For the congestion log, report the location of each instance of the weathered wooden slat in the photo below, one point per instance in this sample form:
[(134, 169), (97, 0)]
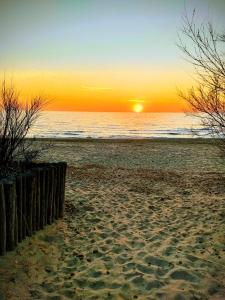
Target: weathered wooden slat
[(34, 200), (47, 192), (24, 206), (62, 189), (2, 221), (42, 198), (53, 191), (38, 204), (58, 191), (19, 201), (50, 199), (29, 203), (16, 224), (10, 204)]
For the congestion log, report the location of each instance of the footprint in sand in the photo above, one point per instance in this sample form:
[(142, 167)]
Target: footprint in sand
[(129, 266), (141, 254), (81, 282), (115, 285), (169, 250), (183, 275), (97, 285), (95, 274), (121, 259), (144, 269), (140, 282), (153, 260), (154, 284), (117, 249)]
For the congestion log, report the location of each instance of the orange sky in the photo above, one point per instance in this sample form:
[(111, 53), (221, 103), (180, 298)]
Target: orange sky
[(104, 90), (87, 55)]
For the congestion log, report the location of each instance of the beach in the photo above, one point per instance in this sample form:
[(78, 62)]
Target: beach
[(144, 219)]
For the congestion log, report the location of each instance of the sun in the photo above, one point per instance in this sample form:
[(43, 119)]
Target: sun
[(138, 108)]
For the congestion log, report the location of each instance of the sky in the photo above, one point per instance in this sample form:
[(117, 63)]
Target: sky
[(99, 55)]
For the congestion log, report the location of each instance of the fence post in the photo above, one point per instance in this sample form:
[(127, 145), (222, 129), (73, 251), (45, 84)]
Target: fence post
[(10, 204), (46, 194), (54, 184), (24, 207), (29, 203), (19, 198), (58, 189), (38, 204), (42, 197), (62, 189), (2, 221), (51, 188), (34, 200)]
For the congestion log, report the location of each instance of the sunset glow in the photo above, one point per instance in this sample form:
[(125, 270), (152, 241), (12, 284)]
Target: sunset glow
[(138, 108), (103, 90), (96, 55)]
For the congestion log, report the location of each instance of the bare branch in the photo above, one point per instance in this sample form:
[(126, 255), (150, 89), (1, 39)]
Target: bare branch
[(205, 51), (16, 119)]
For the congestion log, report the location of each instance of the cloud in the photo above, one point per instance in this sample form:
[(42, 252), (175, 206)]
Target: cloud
[(137, 100), (96, 88)]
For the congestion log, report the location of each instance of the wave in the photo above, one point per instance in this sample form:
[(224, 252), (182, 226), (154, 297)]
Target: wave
[(121, 125)]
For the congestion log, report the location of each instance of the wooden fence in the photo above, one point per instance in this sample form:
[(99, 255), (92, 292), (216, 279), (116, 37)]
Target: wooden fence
[(30, 201)]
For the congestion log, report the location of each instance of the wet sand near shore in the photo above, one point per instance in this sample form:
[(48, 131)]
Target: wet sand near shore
[(144, 220)]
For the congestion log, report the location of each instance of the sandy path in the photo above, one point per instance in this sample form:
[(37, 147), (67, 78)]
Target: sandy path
[(135, 232)]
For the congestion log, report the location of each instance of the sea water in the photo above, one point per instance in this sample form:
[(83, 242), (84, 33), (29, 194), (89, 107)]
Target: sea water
[(117, 125)]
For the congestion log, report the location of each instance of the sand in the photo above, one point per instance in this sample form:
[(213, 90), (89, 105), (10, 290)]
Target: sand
[(144, 220)]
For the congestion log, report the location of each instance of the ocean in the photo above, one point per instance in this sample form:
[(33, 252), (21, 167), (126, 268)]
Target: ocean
[(116, 125)]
